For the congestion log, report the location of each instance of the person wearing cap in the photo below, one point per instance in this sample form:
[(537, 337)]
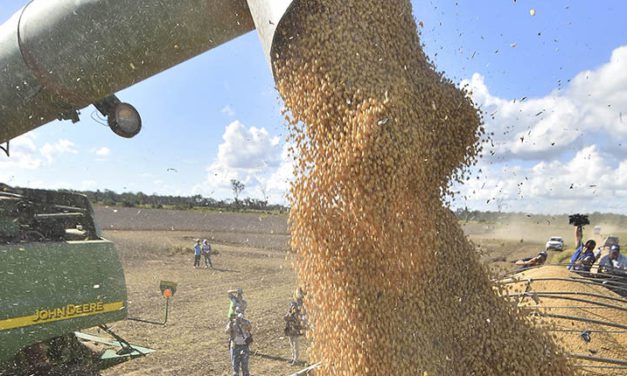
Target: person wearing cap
[(240, 337), (613, 262), (295, 323), (206, 251), (532, 261), (237, 301), (584, 256), (197, 250)]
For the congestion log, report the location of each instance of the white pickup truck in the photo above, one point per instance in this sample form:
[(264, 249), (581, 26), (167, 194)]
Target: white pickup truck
[(555, 243)]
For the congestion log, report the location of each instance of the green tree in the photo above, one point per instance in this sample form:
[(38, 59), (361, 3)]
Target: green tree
[(237, 187)]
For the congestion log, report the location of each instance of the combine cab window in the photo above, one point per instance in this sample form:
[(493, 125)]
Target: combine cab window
[(32, 215)]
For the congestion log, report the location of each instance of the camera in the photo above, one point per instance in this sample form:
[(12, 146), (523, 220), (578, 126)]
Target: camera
[(578, 220)]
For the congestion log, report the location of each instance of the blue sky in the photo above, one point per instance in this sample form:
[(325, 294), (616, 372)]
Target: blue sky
[(217, 116)]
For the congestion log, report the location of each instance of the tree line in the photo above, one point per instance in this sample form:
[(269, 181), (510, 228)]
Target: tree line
[(139, 199), (130, 199)]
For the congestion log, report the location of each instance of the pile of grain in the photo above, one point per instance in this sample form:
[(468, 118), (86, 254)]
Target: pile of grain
[(393, 285)]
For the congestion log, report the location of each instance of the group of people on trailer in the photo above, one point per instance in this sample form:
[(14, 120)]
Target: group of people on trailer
[(239, 329), (584, 257)]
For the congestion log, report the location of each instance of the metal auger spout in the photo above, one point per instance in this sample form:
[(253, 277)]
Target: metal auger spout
[(57, 57), (269, 16)]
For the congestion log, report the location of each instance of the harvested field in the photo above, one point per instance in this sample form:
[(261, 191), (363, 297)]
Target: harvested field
[(193, 342), (259, 230), (251, 254)]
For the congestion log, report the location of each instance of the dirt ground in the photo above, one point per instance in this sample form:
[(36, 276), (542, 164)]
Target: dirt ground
[(251, 254), (156, 244)]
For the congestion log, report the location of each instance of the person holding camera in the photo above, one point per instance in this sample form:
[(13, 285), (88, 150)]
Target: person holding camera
[(584, 257), (240, 337)]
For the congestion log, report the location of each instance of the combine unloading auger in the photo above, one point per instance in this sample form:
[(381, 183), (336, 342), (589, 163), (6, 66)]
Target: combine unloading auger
[(57, 57)]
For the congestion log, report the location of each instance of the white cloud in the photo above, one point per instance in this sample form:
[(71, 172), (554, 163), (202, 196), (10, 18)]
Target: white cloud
[(246, 148), (228, 110), (103, 151), (278, 184), (88, 185), (26, 155), (23, 155), (53, 184), (27, 159), (594, 103), (565, 152), (590, 181), (252, 156), (51, 151)]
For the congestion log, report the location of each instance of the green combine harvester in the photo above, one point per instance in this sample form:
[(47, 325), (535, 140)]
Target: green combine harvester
[(58, 275)]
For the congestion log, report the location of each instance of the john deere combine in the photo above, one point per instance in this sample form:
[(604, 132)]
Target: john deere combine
[(57, 274)]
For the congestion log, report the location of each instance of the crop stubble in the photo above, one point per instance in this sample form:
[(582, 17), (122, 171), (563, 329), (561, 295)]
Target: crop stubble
[(392, 282)]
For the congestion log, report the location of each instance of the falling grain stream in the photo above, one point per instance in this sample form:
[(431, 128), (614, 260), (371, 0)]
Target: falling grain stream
[(393, 285)]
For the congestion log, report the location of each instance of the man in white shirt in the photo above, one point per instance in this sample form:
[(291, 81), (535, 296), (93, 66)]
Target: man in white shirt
[(613, 262), (206, 251)]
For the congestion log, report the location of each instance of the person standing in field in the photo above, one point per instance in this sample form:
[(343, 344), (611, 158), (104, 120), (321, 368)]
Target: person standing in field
[(295, 323), (237, 301), (197, 250), (206, 251), (240, 337)]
